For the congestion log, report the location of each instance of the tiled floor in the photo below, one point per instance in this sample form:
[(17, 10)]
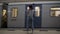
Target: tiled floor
[(22, 31)]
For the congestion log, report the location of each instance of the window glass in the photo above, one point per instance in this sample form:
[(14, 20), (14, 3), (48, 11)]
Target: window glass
[(4, 12), (55, 11), (14, 12), (37, 11)]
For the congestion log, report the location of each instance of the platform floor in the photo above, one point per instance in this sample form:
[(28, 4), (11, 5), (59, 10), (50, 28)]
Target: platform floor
[(35, 31)]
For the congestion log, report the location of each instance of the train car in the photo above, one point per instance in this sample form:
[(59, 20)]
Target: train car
[(41, 14)]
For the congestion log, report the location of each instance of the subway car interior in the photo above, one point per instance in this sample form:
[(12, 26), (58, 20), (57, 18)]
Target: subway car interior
[(30, 15)]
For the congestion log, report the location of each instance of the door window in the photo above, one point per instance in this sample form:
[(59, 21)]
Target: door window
[(37, 11), (14, 12)]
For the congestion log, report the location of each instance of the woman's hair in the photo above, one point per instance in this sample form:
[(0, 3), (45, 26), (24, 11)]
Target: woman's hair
[(30, 6)]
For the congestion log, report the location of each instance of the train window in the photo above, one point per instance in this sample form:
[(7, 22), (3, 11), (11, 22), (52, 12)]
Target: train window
[(37, 11), (14, 12), (55, 11), (4, 12)]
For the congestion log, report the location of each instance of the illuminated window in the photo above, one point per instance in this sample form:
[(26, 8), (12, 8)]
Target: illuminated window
[(55, 11), (14, 12), (37, 11), (4, 12)]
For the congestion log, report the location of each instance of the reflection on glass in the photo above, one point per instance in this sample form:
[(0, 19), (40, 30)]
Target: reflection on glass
[(14, 12), (37, 11), (55, 11)]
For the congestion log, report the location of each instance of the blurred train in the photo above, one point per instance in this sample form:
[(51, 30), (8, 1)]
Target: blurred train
[(40, 14)]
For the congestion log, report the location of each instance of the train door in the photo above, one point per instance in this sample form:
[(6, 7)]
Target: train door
[(33, 14), (4, 16)]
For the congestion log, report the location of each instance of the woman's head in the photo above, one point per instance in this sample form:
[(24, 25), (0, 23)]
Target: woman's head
[(30, 7)]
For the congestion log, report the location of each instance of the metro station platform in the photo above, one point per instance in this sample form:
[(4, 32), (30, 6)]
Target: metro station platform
[(23, 31)]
